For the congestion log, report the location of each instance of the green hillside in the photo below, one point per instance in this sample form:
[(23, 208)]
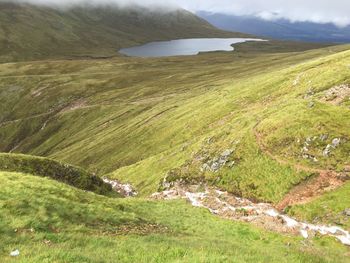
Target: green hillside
[(139, 121), (58, 171), (268, 122), (30, 32), (52, 222)]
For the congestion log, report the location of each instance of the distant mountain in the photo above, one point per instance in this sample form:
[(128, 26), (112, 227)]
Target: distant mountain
[(279, 29), (34, 32)]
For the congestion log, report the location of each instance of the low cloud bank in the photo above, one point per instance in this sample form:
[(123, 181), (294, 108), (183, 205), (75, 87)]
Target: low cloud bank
[(150, 4), (320, 11)]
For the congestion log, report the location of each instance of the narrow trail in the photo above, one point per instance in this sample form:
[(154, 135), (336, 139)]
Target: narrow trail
[(69, 108), (323, 180), (228, 206), (56, 75), (25, 119), (312, 188), (50, 115)]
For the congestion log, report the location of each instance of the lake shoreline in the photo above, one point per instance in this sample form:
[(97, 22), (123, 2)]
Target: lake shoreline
[(184, 47)]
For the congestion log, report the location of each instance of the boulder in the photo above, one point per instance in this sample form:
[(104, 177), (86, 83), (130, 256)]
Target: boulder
[(215, 164), (335, 142), (227, 153), (14, 253)]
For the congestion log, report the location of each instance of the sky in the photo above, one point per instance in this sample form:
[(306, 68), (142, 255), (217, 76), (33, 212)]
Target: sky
[(319, 11)]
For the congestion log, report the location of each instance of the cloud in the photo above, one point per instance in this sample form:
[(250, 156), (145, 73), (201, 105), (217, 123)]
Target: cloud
[(170, 4), (320, 11)]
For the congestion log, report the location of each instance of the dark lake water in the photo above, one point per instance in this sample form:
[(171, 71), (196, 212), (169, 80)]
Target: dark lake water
[(183, 47)]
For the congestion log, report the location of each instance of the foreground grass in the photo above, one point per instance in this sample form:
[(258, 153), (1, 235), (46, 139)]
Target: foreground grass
[(52, 222)]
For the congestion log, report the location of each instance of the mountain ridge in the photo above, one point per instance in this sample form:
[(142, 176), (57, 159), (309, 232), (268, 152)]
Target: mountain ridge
[(279, 29), (242, 134), (30, 32)]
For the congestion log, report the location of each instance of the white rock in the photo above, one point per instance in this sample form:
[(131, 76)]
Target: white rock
[(336, 142), (290, 221), (193, 197), (272, 213), (344, 240), (14, 253), (260, 211), (125, 189), (304, 233)]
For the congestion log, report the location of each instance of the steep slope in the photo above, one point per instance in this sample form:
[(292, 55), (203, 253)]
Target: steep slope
[(58, 171), (30, 32), (268, 122), (47, 221), (116, 117), (279, 29), (331, 207)]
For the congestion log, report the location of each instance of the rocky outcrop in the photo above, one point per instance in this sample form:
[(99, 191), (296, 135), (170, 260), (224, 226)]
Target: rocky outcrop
[(317, 147), (337, 95), (335, 143), (263, 215), (215, 164), (125, 190)]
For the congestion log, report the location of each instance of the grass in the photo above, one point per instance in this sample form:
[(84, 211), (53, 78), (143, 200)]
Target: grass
[(45, 167), (136, 121), (140, 120), (328, 208), (72, 225)]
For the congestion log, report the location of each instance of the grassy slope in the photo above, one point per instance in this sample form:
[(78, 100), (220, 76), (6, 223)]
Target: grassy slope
[(45, 167), (90, 31), (71, 225), (138, 121), (327, 208)]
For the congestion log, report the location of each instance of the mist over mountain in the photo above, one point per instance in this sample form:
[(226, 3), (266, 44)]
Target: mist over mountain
[(38, 31), (322, 11), (149, 4), (280, 28)]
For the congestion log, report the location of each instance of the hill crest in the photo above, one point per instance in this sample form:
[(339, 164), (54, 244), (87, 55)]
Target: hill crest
[(31, 32)]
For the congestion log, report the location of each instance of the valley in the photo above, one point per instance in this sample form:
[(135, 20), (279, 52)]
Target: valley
[(110, 158), (88, 31)]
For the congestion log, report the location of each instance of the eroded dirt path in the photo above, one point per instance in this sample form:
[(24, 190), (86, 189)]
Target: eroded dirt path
[(263, 215), (321, 182), (312, 188)]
